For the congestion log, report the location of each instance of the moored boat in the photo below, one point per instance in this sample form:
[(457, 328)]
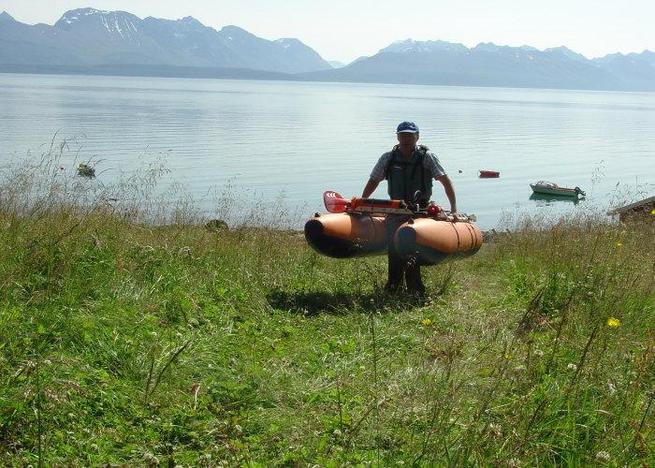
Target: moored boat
[(486, 174), (550, 188)]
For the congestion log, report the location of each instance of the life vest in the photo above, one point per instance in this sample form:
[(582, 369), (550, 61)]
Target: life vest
[(406, 176)]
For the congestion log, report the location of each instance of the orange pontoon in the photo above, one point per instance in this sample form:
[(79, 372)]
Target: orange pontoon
[(345, 235), (432, 241), (356, 227)]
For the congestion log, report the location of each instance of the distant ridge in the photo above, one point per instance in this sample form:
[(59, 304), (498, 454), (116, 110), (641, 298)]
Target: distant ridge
[(488, 64), (87, 37), (91, 41)]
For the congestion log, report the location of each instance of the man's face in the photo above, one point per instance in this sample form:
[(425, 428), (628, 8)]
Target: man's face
[(407, 139)]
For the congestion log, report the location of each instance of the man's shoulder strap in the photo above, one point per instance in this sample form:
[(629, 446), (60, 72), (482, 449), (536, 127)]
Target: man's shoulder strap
[(395, 154), (393, 157)]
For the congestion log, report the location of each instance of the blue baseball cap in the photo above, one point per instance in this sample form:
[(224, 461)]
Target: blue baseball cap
[(407, 127)]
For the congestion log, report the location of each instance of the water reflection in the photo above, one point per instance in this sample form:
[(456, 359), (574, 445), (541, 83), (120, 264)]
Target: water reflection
[(545, 199)]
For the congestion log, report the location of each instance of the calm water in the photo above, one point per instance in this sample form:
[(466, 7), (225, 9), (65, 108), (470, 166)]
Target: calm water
[(295, 140)]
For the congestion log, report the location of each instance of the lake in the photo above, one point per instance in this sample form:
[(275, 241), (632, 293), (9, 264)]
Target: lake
[(272, 140)]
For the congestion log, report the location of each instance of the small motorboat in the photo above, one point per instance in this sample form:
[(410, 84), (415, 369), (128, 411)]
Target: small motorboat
[(550, 188), (486, 174), (84, 170)]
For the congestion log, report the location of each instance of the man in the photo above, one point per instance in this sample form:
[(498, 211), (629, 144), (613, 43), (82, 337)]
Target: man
[(408, 168)]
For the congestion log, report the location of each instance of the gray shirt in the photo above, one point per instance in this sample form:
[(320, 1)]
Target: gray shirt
[(430, 163)]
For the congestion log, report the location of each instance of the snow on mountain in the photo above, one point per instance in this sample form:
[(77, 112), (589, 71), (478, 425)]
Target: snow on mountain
[(74, 16), (409, 45), (119, 24)]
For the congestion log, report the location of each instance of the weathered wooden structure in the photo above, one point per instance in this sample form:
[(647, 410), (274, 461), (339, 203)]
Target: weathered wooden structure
[(643, 210)]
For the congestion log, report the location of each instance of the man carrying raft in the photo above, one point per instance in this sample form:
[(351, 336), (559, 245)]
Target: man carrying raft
[(414, 231)]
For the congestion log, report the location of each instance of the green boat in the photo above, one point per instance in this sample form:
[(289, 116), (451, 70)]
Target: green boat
[(550, 188)]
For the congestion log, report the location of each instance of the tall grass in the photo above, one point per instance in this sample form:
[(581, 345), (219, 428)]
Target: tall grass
[(131, 334)]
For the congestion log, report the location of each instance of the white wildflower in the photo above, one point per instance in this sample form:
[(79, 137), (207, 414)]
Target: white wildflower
[(150, 458)]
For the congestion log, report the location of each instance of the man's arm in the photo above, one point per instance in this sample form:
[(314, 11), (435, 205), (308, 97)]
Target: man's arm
[(371, 185), (450, 191)]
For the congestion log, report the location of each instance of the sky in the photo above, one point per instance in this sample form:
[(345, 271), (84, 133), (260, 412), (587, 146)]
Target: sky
[(343, 30)]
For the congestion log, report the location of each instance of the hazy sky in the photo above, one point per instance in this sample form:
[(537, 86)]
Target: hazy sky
[(344, 30)]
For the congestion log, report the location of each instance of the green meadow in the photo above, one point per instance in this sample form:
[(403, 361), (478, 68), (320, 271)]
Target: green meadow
[(131, 334)]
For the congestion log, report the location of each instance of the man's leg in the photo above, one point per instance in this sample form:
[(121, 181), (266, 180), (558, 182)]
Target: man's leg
[(396, 272), (413, 277), (396, 262)]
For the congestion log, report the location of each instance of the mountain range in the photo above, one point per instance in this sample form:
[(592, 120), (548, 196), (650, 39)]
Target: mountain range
[(119, 43), (88, 37), (487, 64)]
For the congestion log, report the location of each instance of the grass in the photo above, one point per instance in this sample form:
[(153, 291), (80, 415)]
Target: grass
[(128, 338)]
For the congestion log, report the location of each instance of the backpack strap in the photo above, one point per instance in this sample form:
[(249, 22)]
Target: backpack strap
[(422, 151), (390, 162)]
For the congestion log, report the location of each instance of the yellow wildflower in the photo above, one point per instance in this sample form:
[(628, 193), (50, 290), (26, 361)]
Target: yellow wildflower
[(613, 322), (652, 212), (426, 322), (619, 244)]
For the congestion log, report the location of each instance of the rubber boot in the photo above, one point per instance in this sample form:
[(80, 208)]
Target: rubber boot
[(396, 272), (396, 263), (413, 278)]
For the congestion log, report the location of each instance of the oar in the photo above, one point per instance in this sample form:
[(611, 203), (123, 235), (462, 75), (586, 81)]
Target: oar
[(334, 202)]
